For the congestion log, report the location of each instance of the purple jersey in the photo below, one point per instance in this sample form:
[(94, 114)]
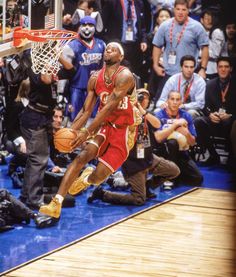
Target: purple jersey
[(86, 60)]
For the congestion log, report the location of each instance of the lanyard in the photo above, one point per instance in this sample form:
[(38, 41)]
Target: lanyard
[(124, 10), (224, 92), (145, 127), (181, 33), (187, 92)]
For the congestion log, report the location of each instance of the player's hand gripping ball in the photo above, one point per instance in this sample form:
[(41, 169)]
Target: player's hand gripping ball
[(63, 139)]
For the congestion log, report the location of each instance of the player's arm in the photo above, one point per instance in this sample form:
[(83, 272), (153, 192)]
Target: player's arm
[(88, 106)]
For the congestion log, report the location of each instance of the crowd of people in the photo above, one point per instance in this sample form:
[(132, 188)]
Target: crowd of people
[(144, 83)]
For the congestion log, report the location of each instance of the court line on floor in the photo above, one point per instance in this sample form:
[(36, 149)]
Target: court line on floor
[(100, 230)]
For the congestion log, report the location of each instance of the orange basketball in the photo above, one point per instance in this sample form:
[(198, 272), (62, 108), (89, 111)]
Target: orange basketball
[(63, 138)]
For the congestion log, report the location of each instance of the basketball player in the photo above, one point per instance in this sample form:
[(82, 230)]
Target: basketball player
[(112, 133)]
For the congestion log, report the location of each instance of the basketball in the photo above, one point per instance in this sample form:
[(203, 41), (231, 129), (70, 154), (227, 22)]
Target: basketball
[(63, 139)]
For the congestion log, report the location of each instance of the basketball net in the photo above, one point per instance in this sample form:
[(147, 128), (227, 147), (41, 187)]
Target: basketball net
[(46, 48)]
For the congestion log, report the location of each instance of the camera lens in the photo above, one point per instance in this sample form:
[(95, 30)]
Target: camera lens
[(140, 98)]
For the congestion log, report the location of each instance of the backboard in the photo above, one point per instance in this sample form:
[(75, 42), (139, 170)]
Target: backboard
[(30, 14)]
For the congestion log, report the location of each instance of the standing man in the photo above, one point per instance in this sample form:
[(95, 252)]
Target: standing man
[(190, 85), (35, 123), (124, 20), (175, 135), (86, 54), (220, 112), (112, 133), (179, 36)]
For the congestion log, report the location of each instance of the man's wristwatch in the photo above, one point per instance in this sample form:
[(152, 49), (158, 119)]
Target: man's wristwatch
[(202, 67)]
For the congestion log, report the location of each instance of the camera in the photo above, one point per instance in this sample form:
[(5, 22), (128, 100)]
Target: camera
[(140, 97)]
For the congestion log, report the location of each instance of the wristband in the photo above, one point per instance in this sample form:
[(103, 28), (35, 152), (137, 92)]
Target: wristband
[(84, 129), (202, 67), (145, 113)]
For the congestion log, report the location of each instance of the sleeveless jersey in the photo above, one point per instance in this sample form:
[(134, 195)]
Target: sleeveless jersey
[(86, 60), (123, 115)]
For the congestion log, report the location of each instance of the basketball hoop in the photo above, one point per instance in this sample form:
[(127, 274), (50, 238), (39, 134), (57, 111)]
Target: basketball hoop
[(46, 47)]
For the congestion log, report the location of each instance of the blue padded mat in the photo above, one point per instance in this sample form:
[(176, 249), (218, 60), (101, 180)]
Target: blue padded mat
[(26, 242)]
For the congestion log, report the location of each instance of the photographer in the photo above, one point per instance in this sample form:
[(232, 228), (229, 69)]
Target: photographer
[(140, 162), (15, 16), (13, 211)]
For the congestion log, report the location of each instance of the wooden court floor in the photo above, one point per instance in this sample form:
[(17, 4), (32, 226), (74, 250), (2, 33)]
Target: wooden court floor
[(193, 235)]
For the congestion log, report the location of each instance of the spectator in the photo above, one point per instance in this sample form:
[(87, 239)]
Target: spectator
[(12, 116), (195, 9), (12, 212), (160, 4), (35, 122), (191, 86), (15, 16), (162, 15), (216, 41), (58, 161), (15, 143), (230, 42), (179, 36), (140, 162), (124, 21), (57, 119), (220, 110), (175, 135), (84, 8)]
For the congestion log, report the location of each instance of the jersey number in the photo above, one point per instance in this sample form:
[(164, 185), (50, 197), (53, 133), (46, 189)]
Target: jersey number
[(123, 105)]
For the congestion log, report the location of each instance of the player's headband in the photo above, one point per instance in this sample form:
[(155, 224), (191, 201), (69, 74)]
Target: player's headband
[(118, 46)]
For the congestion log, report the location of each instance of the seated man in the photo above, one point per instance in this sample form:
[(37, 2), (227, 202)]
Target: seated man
[(191, 86), (220, 112), (175, 135), (140, 162)]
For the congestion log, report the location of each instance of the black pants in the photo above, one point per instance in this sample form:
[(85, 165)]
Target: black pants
[(37, 143), (189, 172), (206, 128), (13, 211)]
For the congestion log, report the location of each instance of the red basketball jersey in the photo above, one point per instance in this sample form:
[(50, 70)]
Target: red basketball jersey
[(123, 115)]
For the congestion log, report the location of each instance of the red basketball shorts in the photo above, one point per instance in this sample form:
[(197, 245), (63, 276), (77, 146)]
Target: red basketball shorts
[(116, 146)]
